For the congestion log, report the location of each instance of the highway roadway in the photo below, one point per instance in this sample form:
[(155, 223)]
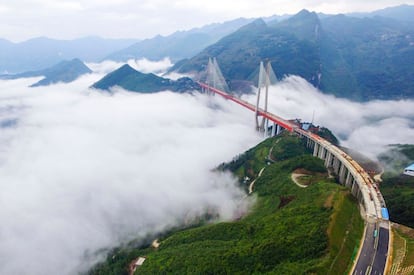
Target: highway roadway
[(367, 251), (380, 260), (374, 251)]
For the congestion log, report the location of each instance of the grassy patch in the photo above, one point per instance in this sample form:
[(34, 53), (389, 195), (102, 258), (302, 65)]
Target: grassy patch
[(310, 179), (403, 250), (409, 259), (398, 251), (291, 230), (405, 233), (345, 231)]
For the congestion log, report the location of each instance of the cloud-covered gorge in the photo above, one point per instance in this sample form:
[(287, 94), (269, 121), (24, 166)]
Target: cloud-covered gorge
[(82, 171)]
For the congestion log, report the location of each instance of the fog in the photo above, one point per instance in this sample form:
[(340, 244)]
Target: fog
[(365, 127), (82, 171), (143, 65)]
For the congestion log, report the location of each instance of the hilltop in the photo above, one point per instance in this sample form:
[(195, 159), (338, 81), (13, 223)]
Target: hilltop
[(130, 79), (41, 52), (65, 71), (290, 229)]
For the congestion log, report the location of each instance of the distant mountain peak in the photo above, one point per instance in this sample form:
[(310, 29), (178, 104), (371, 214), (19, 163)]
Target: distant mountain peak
[(305, 25), (258, 22), (303, 17), (135, 81), (127, 69), (254, 26), (303, 12), (40, 53), (180, 44), (65, 71)]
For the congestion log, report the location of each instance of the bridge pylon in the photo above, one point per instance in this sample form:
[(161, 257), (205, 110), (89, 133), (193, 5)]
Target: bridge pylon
[(266, 77), (214, 78)]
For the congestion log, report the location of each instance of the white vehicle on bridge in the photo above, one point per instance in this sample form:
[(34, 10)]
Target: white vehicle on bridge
[(409, 170)]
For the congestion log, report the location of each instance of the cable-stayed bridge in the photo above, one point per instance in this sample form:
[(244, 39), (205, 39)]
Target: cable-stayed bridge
[(373, 253)]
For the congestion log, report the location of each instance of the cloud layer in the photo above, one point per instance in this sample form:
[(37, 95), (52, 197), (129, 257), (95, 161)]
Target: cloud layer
[(365, 127), (143, 65), (82, 170)]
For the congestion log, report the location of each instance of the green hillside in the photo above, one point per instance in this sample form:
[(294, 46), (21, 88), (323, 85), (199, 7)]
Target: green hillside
[(290, 230), (65, 71), (398, 189), (132, 80)]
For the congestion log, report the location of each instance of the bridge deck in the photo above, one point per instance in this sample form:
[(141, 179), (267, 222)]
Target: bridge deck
[(274, 118)]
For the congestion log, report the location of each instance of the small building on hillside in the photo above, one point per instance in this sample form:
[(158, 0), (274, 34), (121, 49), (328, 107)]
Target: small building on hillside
[(409, 170), (135, 264)]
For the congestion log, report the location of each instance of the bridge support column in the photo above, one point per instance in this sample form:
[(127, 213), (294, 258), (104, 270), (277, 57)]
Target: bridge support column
[(310, 143), (349, 179), (274, 129), (316, 150), (266, 127), (331, 164), (342, 174), (321, 152), (360, 196), (328, 159), (279, 129), (336, 166), (355, 188)]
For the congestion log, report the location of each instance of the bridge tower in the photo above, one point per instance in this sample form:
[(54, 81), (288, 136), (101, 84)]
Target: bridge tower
[(214, 78), (266, 78)]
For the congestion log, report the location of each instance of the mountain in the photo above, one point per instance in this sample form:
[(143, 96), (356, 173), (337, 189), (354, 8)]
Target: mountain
[(40, 53), (179, 45), (64, 71), (367, 58), (290, 230), (400, 13), (356, 58), (240, 52), (132, 80)]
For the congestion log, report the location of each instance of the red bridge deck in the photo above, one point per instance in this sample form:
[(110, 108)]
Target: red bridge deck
[(276, 119)]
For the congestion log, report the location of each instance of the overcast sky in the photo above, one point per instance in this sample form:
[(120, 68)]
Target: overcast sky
[(68, 19)]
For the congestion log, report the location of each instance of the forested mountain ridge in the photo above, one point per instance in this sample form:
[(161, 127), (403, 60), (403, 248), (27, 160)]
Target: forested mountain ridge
[(65, 71), (40, 53), (130, 79), (356, 58), (179, 45)]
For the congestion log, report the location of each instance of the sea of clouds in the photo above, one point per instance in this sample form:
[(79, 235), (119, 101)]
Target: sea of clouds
[(367, 127), (82, 170)]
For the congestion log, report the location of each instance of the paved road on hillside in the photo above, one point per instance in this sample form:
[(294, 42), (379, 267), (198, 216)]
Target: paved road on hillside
[(367, 252), (372, 256), (382, 251)]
